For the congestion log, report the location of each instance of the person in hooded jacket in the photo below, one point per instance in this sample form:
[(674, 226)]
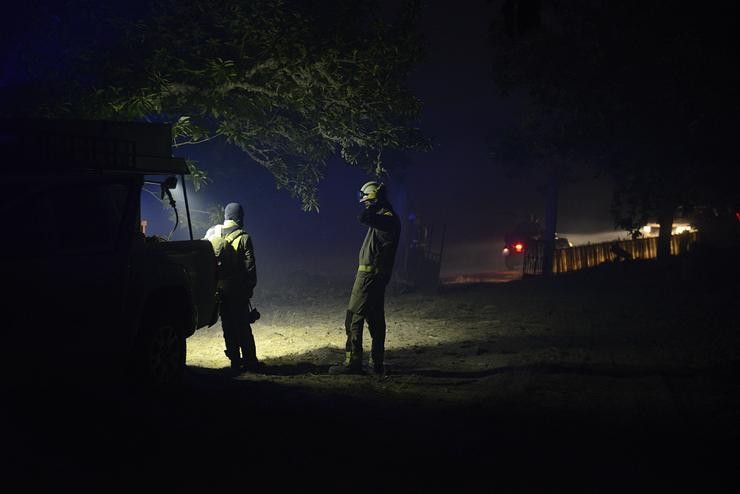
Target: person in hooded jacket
[(237, 290)]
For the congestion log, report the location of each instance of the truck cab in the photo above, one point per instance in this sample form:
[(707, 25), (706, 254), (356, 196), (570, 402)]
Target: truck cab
[(87, 290)]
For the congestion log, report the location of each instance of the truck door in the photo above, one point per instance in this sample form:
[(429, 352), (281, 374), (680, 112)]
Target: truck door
[(89, 262), (70, 270)]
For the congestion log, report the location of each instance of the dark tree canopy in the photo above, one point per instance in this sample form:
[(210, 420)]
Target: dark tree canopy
[(645, 90), (290, 83)]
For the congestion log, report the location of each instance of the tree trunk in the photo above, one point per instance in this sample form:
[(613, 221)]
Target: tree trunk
[(665, 220), (551, 219)]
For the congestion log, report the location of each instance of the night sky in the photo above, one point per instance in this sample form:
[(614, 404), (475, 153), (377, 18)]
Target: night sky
[(457, 184)]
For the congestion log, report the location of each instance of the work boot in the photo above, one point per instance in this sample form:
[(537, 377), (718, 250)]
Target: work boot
[(352, 365), (253, 365), (376, 367), (235, 365)]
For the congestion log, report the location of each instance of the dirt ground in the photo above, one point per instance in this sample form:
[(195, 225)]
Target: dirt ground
[(621, 379), (460, 343)]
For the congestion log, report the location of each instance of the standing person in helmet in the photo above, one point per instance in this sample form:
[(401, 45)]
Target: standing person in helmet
[(367, 300), (237, 279)]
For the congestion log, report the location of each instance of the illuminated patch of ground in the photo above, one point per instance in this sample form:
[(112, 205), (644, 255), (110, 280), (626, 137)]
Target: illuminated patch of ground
[(578, 340)]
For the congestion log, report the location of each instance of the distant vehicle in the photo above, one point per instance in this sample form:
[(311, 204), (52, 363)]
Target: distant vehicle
[(515, 248), (86, 288), (653, 229)]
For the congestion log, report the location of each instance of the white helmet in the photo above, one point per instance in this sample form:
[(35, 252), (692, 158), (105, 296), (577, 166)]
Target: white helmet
[(372, 191)]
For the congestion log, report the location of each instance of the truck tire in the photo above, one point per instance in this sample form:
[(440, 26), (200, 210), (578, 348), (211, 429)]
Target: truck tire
[(160, 354)]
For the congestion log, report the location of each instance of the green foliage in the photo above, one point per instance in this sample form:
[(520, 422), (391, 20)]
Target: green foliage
[(289, 83), (197, 175), (215, 214), (200, 220)]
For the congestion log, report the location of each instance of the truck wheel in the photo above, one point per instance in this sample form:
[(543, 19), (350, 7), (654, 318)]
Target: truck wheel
[(161, 355)]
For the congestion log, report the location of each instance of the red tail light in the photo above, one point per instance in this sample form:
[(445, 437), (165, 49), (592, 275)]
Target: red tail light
[(518, 247)]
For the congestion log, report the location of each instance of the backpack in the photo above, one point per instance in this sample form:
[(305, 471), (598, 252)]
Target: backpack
[(226, 250)]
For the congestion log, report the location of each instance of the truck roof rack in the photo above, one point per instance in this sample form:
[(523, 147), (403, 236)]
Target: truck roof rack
[(30, 145)]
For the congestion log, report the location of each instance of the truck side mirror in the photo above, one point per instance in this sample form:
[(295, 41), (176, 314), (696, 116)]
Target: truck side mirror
[(168, 184)]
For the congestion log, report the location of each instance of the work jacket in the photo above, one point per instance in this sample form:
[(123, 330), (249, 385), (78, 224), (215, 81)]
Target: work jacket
[(245, 277), (378, 251)]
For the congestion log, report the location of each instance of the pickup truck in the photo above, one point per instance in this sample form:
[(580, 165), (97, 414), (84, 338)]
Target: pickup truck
[(85, 289)]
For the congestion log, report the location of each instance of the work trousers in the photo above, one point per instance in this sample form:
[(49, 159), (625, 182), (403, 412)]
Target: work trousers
[(234, 312), (367, 303)]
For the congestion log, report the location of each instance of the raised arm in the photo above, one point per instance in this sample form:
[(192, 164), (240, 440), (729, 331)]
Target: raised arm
[(383, 220)]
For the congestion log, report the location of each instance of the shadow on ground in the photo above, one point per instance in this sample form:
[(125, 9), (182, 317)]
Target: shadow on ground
[(219, 432)]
